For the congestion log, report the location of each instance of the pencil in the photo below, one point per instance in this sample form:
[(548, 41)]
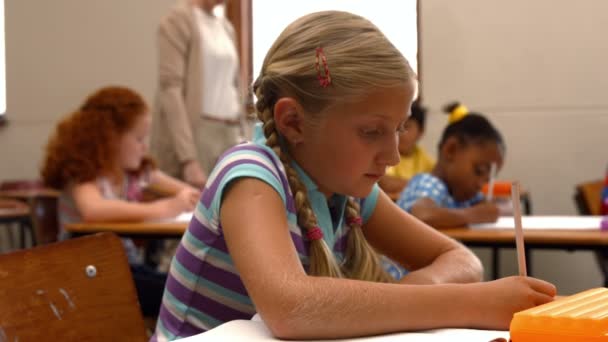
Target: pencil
[(519, 234), (491, 182)]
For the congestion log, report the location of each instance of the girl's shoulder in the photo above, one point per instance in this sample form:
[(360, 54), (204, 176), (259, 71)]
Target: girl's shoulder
[(246, 160), (249, 154), (426, 180)]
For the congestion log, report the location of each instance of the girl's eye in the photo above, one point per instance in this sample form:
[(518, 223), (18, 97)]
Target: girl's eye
[(481, 171), (371, 132)]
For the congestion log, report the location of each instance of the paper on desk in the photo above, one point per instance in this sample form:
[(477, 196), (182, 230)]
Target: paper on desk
[(255, 331), (545, 222), (184, 217)]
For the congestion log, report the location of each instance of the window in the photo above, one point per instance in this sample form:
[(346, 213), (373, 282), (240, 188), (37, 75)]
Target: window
[(2, 65), (396, 19)]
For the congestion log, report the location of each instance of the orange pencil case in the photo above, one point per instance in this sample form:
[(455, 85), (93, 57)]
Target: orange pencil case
[(501, 188), (582, 317)]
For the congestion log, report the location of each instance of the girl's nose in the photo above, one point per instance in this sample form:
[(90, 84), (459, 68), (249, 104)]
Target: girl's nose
[(389, 155)]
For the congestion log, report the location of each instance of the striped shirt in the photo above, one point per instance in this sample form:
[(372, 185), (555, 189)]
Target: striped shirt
[(203, 287)]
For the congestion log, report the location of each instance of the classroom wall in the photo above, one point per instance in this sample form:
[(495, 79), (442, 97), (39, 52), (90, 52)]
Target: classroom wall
[(59, 51), (538, 70)]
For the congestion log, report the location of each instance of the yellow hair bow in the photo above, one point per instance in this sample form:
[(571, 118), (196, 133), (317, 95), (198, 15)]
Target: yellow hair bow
[(458, 113)]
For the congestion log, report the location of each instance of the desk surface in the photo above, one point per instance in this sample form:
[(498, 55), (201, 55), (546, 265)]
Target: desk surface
[(169, 229), (532, 237), (488, 237), (256, 331), (15, 212), (30, 193)]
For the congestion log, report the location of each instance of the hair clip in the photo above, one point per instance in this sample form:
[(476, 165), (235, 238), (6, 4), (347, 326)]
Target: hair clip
[(354, 221), (324, 80), (314, 233)]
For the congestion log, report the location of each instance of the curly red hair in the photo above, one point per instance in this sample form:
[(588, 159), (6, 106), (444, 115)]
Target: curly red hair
[(84, 143)]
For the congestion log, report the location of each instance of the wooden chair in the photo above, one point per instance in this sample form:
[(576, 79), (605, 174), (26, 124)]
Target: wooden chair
[(588, 196), (76, 290)]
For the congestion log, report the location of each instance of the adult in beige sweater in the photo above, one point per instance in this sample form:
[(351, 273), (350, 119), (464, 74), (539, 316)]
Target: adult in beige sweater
[(198, 108)]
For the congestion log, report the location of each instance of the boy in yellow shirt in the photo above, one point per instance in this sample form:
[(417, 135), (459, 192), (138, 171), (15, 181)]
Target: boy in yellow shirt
[(414, 159)]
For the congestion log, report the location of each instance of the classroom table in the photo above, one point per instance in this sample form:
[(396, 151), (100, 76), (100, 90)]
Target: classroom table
[(256, 331), (552, 234), (153, 230)]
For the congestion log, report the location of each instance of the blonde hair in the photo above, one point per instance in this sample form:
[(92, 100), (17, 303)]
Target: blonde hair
[(360, 59)]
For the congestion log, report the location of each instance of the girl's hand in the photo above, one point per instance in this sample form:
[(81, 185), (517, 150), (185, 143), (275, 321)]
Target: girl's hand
[(483, 212), (496, 301), (183, 201), (187, 198)]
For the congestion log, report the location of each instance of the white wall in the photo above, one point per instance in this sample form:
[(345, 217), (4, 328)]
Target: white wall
[(60, 51), (538, 70)]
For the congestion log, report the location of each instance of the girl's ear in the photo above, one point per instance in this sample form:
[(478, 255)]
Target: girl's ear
[(451, 147), (288, 119)]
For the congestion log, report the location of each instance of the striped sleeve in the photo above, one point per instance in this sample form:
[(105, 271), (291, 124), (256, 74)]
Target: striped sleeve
[(368, 204), (244, 161)]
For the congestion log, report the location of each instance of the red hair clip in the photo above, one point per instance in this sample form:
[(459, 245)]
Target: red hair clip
[(357, 221), (314, 233), (324, 80)]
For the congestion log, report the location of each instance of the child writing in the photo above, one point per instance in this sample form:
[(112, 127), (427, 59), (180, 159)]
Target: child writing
[(97, 158), (289, 224), (413, 158), (450, 196)]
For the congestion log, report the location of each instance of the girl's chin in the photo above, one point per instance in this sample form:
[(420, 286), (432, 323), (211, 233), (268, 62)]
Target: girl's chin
[(360, 192)]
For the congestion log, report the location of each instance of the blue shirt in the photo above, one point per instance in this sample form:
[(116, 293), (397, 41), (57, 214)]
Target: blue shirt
[(426, 185), (420, 186)]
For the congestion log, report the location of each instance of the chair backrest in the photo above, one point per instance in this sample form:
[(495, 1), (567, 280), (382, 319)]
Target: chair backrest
[(588, 197), (75, 290)]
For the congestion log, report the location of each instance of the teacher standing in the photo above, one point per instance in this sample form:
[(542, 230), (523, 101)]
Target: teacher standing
[(198, 109)]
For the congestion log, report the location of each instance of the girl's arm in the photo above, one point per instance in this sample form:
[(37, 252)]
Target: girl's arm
[(431, 257), (93, 207), (429, 212), (297, 306)]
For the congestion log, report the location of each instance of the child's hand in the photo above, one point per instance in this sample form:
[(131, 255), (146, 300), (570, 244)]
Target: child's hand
[(187, 199), (183, 201), (500, 299), (483, 212)]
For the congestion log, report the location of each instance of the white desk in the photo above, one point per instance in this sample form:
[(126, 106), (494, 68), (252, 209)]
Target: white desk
[(580, 223), (256, 331)]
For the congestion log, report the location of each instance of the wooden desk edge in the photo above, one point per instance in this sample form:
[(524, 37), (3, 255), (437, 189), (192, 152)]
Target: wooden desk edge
[(540, 236), (29, 193), (141, 228)]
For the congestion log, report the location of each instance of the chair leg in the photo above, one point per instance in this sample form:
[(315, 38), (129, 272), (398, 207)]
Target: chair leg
[(30, 227), (602, 260), (495, 263), (22, 229)]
